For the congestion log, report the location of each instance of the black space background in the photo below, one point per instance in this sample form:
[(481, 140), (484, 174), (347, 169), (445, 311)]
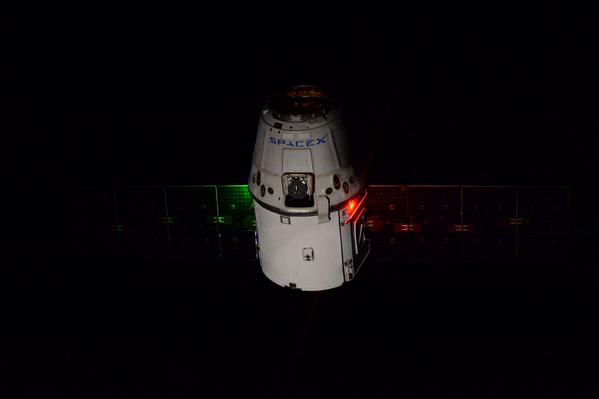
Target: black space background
[(501, 99), (471, 96)]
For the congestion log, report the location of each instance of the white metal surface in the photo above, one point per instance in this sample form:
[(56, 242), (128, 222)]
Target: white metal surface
[(282, 247), (302, 179)]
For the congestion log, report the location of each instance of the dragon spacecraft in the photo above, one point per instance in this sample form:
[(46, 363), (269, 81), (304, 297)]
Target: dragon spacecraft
[(309, 203)]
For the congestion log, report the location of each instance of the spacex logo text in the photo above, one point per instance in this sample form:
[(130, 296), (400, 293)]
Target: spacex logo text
[(298, 143)]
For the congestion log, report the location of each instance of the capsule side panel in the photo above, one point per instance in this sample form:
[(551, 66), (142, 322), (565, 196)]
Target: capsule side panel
[(282, 249)]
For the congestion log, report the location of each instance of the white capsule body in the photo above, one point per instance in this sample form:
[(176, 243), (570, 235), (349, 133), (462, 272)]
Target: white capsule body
[(303, 183)]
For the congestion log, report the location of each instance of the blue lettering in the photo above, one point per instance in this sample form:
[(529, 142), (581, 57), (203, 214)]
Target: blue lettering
[(299, 143)]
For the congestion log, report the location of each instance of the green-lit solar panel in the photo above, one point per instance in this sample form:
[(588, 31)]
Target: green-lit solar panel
[(235, 207)]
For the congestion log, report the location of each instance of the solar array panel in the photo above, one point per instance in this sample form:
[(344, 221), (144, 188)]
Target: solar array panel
[(406, 222)]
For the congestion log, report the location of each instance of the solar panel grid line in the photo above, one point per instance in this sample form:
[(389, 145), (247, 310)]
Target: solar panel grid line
[(516, 229), (488, 209), (461, 250), (235, 209), (434, 209), (220, 244), (194, 209), (545, 212), (168, 221), (142, 210)]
